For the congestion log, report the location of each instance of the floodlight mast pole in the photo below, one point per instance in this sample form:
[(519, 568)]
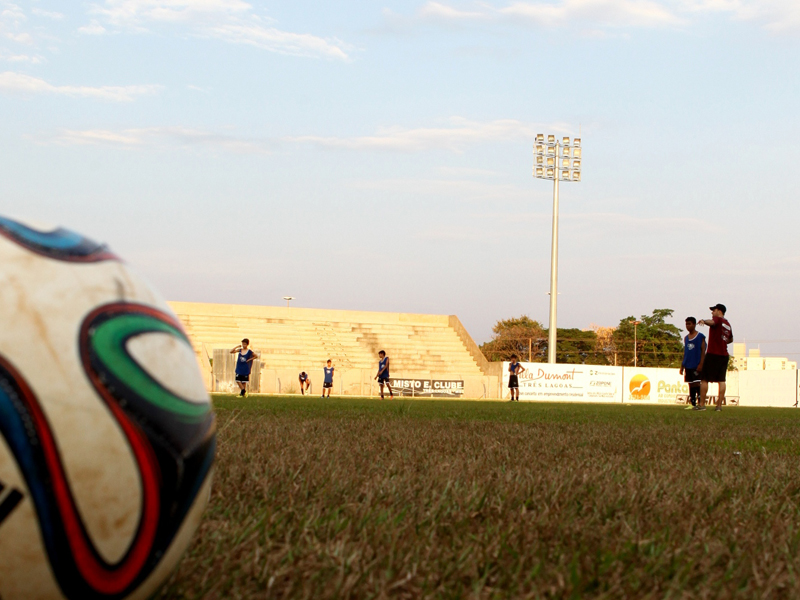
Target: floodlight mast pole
[(553, 327), (552, 160)]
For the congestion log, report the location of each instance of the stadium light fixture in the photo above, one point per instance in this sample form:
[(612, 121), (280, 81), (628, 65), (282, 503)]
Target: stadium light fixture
[(558, 169), (288, 299)]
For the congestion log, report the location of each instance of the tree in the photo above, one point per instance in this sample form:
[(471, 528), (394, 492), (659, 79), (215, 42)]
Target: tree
[(576, 346), (658, 343), (521, 336), (528, 340)]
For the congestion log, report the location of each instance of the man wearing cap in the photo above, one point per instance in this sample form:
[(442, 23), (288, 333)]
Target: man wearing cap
[(715, 365)]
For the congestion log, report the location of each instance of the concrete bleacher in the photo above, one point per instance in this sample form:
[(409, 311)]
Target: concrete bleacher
[(291, 340)]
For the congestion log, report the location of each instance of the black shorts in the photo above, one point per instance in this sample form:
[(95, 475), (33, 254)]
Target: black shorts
[(383, 380), (691, 376), (715, 368), (327, 384), (242, 378), (513, 381)]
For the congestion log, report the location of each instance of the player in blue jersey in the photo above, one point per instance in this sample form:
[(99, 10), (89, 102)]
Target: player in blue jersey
[(383, 373), (244, 364), (328, 383), (694, 355), (305, 382), (514, 371)]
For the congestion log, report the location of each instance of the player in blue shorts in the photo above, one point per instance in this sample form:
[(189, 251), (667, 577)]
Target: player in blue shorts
[(244, 364), (328, 383), (694, 354), (305, 383), (383, 373), (514, 371)]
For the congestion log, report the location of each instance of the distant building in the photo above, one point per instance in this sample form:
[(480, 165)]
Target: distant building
[(753, 361)]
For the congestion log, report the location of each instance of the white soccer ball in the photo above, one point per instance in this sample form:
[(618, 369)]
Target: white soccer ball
[(107, 435)]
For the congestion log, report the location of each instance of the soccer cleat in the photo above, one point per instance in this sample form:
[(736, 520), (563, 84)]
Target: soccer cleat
[(700, 408), (690, 407), (719, 408)]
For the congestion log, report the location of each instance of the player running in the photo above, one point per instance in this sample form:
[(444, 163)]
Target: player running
[(383, 374), (694, 353), (328, 384), (514, 371), (244, 364), (715, 366), (305, 383)]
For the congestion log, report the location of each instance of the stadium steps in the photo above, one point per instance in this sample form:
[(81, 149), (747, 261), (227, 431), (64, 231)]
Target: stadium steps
[(305, 338)]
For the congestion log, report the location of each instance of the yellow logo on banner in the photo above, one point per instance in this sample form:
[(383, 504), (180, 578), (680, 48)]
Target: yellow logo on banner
[(639, 387)]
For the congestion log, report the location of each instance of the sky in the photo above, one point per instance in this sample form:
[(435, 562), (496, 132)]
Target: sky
[(378, 155)]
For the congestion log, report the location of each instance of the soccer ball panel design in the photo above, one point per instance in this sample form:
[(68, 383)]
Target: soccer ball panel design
[(107, 431)]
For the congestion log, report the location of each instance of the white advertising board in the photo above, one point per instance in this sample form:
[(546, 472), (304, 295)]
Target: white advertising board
[(653, 386), (573, 383)]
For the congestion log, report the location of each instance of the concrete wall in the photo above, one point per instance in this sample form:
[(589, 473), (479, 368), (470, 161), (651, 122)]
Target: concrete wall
[(361, 382)]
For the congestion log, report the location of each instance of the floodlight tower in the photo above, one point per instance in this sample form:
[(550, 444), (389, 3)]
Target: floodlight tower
[(559, 161)]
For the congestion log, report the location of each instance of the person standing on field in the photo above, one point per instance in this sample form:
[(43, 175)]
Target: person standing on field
[(514, 371), (328, 383), (244, 364), (715, 365), (383, 374), (694, 353)]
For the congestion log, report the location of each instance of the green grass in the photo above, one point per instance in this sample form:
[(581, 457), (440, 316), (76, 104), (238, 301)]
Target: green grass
[(358, 498)]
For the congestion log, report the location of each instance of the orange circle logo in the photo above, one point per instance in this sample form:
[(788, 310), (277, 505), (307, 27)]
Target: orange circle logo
[(639, 387)]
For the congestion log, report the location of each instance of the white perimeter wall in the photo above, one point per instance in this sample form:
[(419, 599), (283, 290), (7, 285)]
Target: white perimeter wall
[(595, 383)]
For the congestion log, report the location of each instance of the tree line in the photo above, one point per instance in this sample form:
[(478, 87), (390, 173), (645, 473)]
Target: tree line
[(657, 343)]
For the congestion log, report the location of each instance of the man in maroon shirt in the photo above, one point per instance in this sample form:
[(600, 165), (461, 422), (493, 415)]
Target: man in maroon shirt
[(715, 366)]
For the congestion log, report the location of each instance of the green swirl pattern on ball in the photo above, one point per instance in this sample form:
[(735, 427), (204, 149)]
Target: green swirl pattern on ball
[(109, 341)]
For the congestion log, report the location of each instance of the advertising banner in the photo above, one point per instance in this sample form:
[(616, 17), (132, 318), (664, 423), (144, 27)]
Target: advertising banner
[(430, 388), (576, 383), (653, 386)]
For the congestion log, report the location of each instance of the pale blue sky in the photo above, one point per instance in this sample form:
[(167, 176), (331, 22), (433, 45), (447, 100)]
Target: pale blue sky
[(377, 155)]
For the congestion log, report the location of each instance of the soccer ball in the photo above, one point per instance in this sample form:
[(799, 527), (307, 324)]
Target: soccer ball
[(107, 436)]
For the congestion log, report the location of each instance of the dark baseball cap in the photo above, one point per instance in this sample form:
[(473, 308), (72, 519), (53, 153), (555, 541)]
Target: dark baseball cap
[(720, 307)]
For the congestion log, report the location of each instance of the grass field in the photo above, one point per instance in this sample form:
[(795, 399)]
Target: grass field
[(358, 498)]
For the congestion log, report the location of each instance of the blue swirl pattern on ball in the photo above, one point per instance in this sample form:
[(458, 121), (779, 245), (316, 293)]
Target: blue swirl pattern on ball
[(58, 244)]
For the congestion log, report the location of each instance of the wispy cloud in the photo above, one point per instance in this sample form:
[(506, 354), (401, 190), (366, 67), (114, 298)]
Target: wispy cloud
[(20, 58), (13, 22), (778, 16), (456, 136), (232, 21), (559, 13), (157, 137), (775, 15), (25, 84), (57, 16), (93, 28)]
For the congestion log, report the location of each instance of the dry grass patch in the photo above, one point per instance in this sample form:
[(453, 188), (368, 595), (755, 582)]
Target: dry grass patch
[(361, 499)]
